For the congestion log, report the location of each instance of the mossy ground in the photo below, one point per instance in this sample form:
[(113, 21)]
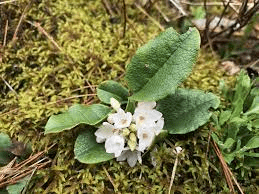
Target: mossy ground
[(92, 49)]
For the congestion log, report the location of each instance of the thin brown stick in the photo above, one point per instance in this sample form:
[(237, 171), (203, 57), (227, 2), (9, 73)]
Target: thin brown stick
[(26, 186), (234, 179), (162, 13), (110, 178), (151, 18), (108, 7), (91, 87), (213, 3), (43, 31), (173, 174), (72, 97), (21, 170), (6, 168), (8, 85), (208, 145), (134, 29), (17, 178), (9, 112), (4, 2), (20, 21), (5, 33), (29, 160), (225, 168), (49, 103), (179, 7), (222, 15), (124, 18), (85, 87)]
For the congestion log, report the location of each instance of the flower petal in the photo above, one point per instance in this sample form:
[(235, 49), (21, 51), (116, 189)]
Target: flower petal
[(159, 126), (115, 144), (132, 157), (146, 137), (121, 119), (105, 131), (145, 118), (115, 104), (146, 105)]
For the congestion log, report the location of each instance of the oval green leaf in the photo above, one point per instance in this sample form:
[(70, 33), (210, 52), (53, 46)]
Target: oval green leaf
[(242, 89), (254, 109), (77, 114), (186, 110), (162, 64), (252, 143), (18, 187), (111, 89), (5, 141), (88, 151)]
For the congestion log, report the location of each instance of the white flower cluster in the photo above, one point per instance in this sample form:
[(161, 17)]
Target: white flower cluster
[(126, 135)]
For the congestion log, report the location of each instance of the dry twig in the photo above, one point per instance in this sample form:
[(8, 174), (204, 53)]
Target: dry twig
[(227, 172), (4, 2), (20, 21), (124, 18), (151, 18), (5, 33), (108, 8), (8, 85), (110, 178), (162, 13), (38, 26), (14, 172), (179, 7)]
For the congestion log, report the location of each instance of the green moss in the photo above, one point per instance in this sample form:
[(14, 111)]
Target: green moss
[(92, 50)]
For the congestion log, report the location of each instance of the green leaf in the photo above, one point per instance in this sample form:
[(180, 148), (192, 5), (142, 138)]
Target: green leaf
[(250, 98), (5, 141), (77, 114), (229, 143), (111, 89), (252, 143), (198, 12), (254, 109), (88, 151), (186, 110), (229, 157), (3, 191), (130, 106), (162, 64), (234, 126), (252, 154), (224, 116), (255, 123), (252, 162), (5, 157), (243, 87), (17, 187)]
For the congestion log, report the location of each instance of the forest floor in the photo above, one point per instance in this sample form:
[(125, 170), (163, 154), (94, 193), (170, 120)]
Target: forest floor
[(54, 53)]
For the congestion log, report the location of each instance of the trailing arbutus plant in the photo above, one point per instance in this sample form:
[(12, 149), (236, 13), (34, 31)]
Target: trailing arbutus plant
[(154, 103)]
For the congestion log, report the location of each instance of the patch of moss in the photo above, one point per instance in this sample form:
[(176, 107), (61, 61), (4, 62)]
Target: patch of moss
[(92, 50)]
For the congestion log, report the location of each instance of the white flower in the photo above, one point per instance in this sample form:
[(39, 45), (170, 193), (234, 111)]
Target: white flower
[(178, 150), (115, 104), (145, 115), (159, 126), (131, 156), (146, 137), (146, 105), (120, 119), (104, 132), (115, 144)]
